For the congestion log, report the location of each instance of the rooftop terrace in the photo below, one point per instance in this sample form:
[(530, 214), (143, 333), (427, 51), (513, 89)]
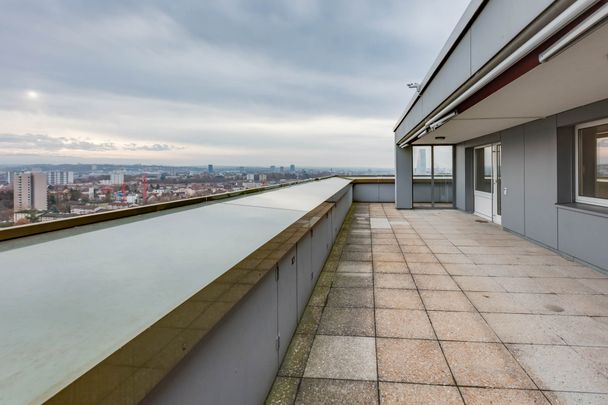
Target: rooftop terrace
[(435, 306)]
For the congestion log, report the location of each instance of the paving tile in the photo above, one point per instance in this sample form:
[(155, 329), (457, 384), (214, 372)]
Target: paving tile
[(353, 280), (485, 365), (386, 249), (403, 323), (549, 304), (435, 282), (393, 280), (389, 257), (597, 355), (406, 249), (427, 268), (523, 328), (352, 247), (444, 248), (397, 298), (390, 267), (576, 398), (597, 285), (459, 269), (335, 392), (474, 283), (453, 258), (569, 285), (420, 258), (523, 285), (591, 305), (446, 301), (295, 359), (354, 267), (283, 391), (418, 394), (409, 360), (495, 302), (343, 357), (356, 256), (464, 326), (578, 330), (577, 271), (347, 321), (484, 396), (559, 368), (351, 297)]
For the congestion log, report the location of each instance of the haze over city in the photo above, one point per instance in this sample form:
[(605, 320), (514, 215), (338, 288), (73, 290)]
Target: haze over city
[(238, 83)]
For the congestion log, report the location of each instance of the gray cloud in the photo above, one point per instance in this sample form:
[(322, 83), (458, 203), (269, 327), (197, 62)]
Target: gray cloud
[(49, 143), (104, 68)]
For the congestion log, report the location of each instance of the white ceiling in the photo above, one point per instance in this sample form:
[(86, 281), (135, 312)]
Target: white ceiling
[(577, 76)]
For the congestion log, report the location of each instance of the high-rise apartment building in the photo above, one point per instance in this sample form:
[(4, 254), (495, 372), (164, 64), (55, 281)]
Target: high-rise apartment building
[(56, 178), (30, 191), (210, 168), (117, 178)]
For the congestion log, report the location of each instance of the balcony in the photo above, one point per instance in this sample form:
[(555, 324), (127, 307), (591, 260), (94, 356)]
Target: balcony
[(323, 288)]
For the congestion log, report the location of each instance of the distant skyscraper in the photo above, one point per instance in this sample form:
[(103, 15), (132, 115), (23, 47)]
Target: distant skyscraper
[(210, 168), (56, 178), (117, 178), (273, 169), (30, 191), (282, 169), (421, 166), (292, 168)]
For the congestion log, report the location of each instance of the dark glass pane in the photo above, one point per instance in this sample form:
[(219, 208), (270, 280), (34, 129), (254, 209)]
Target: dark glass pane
[(483, 169), (422, 190), (442, 169), (593, 162)]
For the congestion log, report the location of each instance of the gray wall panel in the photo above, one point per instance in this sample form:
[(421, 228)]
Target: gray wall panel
[(541, 181), (584, 236), (386, 193), (565, 164), (460, 173), (321, 245), (304, 270), (287, 300), (241, 349), (403, 177), (365, 192), (513, 209)]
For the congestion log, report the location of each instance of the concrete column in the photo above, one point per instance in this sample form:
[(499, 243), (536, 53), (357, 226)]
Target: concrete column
[(403, 177)]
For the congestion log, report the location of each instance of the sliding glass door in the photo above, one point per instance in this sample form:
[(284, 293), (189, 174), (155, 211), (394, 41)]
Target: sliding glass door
[(488, 182)]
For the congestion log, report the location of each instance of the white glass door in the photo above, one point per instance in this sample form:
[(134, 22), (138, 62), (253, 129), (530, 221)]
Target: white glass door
[(487, 182)]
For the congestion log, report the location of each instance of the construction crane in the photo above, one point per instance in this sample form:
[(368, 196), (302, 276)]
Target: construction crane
[(145, 193)]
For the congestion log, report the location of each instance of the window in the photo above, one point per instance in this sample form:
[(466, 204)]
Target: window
[(483, 169), (592, 163)]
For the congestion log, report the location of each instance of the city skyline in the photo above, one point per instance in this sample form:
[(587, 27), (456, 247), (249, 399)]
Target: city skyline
[(148, 84)]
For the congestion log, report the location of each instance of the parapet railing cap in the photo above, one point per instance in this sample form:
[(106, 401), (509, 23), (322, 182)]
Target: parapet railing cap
[(21, 231)]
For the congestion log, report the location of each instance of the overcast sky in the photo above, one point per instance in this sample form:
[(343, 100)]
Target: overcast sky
[(240, 82)]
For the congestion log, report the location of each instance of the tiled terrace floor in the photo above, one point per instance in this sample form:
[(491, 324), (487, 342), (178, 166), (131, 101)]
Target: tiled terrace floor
[(432, 307)]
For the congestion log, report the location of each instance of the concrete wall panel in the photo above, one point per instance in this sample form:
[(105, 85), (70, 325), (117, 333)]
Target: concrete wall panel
[(541, 181), (513, 208), (287, 289), (584, 235)]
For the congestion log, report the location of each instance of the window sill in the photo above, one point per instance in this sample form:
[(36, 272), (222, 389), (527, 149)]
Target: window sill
[(588, 209)]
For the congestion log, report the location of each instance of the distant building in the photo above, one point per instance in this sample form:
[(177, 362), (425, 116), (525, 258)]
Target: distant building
[(250, 177), (9, 177), (273, 169), (282, 169), (292, 168), (56, 178), (30, 191), (263, 178), (210, 168), (117, 178)]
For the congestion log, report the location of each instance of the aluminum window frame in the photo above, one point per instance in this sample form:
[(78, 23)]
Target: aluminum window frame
[(602, 202)]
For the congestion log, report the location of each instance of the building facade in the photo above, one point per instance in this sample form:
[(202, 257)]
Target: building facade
[(525, 117), (30, 191), (58, 178)]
